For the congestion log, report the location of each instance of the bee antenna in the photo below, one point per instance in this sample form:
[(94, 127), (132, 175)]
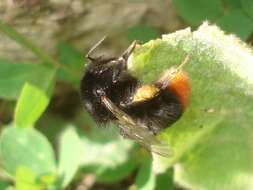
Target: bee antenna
[(171, 74), (93, 48)]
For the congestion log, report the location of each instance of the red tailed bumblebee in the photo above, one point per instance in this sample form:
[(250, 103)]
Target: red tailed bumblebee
[(111, 94)]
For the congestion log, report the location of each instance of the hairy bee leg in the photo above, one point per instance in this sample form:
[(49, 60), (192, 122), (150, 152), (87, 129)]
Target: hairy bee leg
[(118, 71), (122, 63), (136, 131), (118, 113), (142, 93)]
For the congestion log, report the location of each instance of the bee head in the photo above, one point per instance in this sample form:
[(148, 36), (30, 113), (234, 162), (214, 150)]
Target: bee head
[(108, 69)]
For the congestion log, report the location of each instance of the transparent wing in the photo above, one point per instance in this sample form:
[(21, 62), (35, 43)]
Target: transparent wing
[(137, 131)]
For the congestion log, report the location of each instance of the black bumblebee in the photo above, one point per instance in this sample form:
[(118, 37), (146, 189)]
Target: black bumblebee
[(111, 94)]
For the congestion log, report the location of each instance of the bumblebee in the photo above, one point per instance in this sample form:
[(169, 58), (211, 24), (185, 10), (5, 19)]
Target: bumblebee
[(111, 94)]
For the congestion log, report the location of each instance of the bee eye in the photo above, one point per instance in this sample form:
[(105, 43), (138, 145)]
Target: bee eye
[(100, 92)]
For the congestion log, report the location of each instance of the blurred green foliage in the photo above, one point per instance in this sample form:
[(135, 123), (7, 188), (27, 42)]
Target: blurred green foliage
[(233, 16), (142, 33)]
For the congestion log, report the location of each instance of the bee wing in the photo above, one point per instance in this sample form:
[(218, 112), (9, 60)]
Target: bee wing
[(137, 131)]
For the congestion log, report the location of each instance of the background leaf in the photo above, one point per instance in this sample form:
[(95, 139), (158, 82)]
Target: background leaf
[(142, 33), (106, 154), (247, 6), (233, 3), (145, 179), (3, 185), (25, 147), (217, 125), (26, 179), (13, 76), (31, 104), (69, 163), (74, 61), (165, 181), (197, 11), (237, 22)]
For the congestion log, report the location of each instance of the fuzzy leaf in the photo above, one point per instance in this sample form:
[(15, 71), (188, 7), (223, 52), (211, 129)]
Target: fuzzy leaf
[(212, 143)]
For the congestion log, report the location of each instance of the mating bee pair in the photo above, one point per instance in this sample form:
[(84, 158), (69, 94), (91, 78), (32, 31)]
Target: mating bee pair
[(110, 93)]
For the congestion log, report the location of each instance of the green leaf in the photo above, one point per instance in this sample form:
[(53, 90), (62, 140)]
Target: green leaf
[(10, 188), (70, 157), (237, 22), (212, 142), (26, 179), (31, 104), (14, 76), (106, 154), (115, 164), (145, 179), (164, 181), (74, 61), (247, 6), (148, 179), (3, 185), (142, 33), (197, 11), (233, 3), (25, 147)]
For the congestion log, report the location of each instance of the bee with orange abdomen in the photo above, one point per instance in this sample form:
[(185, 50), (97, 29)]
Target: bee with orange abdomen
[(110, 93)]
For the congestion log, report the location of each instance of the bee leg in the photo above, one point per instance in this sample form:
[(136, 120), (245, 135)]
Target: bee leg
[(121, 63), (129, 50), (118, 71), (123, 133)]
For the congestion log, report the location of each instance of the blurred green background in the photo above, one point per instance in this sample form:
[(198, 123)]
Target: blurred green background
[(47, 139)]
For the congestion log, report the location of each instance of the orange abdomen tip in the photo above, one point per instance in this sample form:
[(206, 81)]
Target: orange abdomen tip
[(181, 86)]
